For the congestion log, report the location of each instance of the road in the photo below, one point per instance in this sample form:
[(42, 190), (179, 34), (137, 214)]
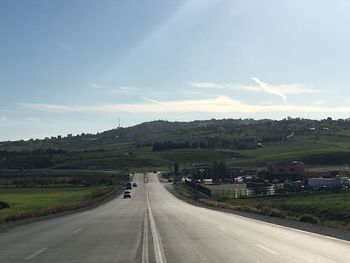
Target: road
[(154, 226)]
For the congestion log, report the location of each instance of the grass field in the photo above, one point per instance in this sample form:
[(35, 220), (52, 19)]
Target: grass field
[(31, 202), (127, 155), (331, 209)]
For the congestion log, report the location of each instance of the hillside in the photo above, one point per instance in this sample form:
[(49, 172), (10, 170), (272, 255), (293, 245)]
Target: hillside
[(161, 143)]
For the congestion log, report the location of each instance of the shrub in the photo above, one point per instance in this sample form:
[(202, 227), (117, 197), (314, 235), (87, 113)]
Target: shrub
[(277, 213), (308, 218), (249, 209), (4, 205), (265, 210)]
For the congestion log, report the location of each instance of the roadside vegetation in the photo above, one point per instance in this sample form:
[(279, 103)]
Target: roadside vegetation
[(34, 202), (330, 209), (31, 193)]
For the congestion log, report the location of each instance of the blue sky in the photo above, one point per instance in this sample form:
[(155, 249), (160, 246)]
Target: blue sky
[(77, 66)]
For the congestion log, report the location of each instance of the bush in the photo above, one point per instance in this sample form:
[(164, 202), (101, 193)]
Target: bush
[(277, 213), (248, 209), (308, 218), (4, 205)]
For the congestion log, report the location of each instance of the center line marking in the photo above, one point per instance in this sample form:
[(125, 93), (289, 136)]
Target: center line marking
[(35, 254), (77, 231), (157, 242), (145, 239), (266, 249)]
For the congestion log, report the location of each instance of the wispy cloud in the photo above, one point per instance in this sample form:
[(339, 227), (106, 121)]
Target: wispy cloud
[(271, 89), (319, 102), (230, 86), (49, 107), (33, 119), (96, 86), (151, 100), (208, 85), (127, 90), (220, 104), (280, 90), (3, 118)]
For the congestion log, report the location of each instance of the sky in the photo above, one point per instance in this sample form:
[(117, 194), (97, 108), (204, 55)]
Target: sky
[(73, 66)]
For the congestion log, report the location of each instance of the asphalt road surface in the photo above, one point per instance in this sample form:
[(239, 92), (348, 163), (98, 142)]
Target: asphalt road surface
[(154, 226)]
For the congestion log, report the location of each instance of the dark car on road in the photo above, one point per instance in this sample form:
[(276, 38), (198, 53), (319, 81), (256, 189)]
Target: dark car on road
[(128, 186), (127, 194), (134, 185)]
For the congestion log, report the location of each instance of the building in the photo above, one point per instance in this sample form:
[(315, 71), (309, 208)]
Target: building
[(330, 183), (201, 171), (294, 168)]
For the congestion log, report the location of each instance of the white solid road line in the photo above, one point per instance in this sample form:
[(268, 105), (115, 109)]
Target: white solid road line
[(77, 231), (145, 238), (157, 242), (35, 254), (267, 249)]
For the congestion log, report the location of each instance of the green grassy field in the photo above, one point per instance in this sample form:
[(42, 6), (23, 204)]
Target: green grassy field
[(29, 202), (331, 209), (145, 158), (127, 155)]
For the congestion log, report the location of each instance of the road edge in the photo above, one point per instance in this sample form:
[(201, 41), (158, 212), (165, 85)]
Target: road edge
[(308, 227), (103, 200)]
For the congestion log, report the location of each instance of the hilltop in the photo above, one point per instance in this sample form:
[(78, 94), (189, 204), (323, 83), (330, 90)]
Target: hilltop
[(243, 142)]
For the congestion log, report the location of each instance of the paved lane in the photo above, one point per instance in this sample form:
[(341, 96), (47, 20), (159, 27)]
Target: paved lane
[(195, 234), (109, 233), (154, 226)]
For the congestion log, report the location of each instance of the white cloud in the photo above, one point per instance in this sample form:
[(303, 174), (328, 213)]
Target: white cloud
[(126, 90), (151, 100), (230, 86), (49, 107), (207, 85), (279, 90), (319, 102), (220, 104), (33, 119), (96, 86), (271, 89), (3, 118)]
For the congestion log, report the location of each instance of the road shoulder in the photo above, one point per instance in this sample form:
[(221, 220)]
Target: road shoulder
[(312, 228), (107, 198)]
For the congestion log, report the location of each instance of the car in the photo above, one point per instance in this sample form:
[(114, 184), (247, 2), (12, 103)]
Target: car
[(127, 194), (134, 185), (128, 186)]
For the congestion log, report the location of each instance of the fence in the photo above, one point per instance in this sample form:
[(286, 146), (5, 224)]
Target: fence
[(231, 193), (199, 188), (255, 191)]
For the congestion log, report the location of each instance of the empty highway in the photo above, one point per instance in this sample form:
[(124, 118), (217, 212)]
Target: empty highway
[(154, 226)]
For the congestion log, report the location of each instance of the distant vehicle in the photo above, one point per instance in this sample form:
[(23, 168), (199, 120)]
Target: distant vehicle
[(128, 186), (134, 185), (154, 172), (127, 194)]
